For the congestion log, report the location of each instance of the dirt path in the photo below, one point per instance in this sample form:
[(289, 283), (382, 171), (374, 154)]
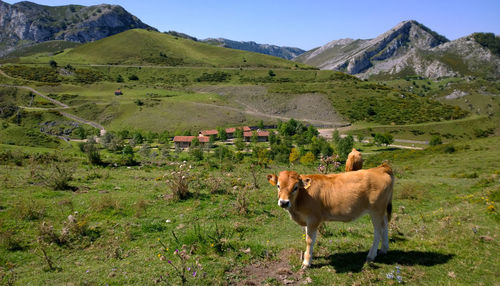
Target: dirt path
[(327, 133), (62, 105)]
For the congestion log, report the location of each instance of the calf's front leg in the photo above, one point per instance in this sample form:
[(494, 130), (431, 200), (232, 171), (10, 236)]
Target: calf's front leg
[(311, 231)]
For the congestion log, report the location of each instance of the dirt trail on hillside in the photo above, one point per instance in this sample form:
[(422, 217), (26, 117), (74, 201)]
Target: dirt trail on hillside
[(62, 105)]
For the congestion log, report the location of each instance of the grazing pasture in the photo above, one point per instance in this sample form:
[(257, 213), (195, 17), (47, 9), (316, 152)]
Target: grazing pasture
[(126, 224)]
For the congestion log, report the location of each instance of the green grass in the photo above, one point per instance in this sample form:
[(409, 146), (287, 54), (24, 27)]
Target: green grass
[(437, 205), (154, 48), (462, 129)]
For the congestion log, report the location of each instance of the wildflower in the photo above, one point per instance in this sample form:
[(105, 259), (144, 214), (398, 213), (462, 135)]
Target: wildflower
[(169, 262), (189, 268), (194, 274), (399, 278), (389, 275), (168, 221), (159, 254), (211, 245)]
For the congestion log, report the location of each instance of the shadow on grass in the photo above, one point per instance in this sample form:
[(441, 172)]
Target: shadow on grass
[(354, 261)]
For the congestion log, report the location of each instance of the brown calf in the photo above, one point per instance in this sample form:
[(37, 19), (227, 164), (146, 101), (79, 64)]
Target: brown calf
[(313, 199), (354, 161)]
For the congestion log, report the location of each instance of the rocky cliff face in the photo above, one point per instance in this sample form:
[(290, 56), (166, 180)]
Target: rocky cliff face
[(277, 51), (409, 47), (25, 23), (361, 56)]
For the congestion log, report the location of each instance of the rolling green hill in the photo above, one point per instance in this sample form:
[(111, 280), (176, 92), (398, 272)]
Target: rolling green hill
[(142, 47)]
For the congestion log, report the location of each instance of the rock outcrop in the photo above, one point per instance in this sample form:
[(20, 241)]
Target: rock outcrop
[(26, 23), (277, 51), (408, 48)]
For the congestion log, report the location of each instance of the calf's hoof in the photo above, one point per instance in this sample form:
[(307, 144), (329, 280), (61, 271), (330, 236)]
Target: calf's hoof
[(306, 264)]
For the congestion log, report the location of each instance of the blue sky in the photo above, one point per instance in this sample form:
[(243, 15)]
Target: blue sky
[(305, 24)]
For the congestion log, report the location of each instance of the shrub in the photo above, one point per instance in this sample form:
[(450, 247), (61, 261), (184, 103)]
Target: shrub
[(133, 77), (56, 176), (308, 159), (178, 182), (92, 151), (383, 139), (449, 149), (435, 140)]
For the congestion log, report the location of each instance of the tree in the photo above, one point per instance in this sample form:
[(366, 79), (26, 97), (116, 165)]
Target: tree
[(336, 136), (255, 137), (308, 159), (239, 144), (272, 138), (53, 64), (127, 156), (92, 151), (294, 155), (271, 73), (222, 134), (435, 140), (261, 124), (344, 146), (80, 132), (238, 133), (119, 78), (383, 139)]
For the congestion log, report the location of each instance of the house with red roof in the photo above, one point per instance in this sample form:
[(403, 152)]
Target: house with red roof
[(185, 141), (262, 136)]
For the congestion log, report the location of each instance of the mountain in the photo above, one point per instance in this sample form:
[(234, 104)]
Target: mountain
[(409, 48), (143, 47), (272, 50), (26, 23)]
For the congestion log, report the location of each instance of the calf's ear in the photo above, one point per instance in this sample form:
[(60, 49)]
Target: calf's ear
[(306, 182), (273, 179)]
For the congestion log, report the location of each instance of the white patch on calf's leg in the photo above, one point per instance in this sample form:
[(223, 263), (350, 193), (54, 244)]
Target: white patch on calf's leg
[(310, 240), (377, 235)]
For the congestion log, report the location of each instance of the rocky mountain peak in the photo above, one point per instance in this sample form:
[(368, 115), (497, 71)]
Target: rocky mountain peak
[(27, 23)]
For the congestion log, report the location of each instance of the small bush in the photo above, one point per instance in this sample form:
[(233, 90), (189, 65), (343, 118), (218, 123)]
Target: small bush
[(107, 203), (75, 229), (178, 182), (435, 140), (408, 191), (449, 149), (29, 210), (10, 241), (57, 175)]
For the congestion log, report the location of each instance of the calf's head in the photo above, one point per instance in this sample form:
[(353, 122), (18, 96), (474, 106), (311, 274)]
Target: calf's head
[(289, 184)]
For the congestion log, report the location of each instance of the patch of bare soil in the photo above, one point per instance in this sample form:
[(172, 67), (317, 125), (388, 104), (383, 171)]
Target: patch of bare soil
[(314, 108), (271, 272)]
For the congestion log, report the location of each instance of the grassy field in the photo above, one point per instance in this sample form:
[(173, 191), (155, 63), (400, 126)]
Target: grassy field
[(68, 220), (444, 230)]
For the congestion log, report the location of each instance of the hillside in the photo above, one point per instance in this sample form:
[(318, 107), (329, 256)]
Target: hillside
[(272, 50), (153, 48), (25, 23), (409, 48)]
